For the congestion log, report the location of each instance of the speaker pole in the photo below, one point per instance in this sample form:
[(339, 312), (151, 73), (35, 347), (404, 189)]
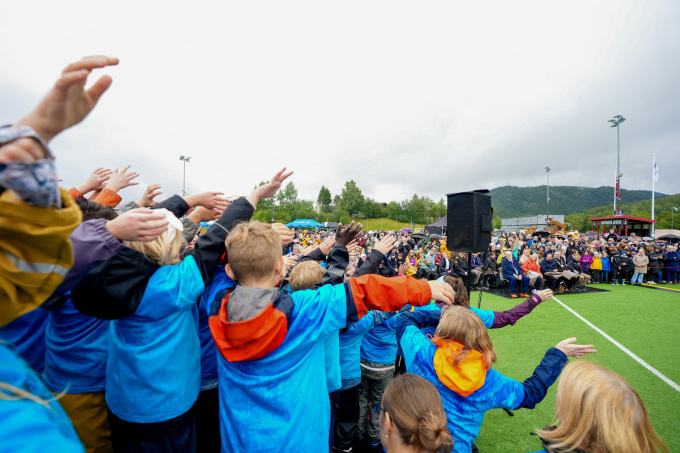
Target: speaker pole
[(469, 273)]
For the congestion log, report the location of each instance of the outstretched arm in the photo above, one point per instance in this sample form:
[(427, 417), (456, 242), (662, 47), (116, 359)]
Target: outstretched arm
[(510, 317), (546, 373)]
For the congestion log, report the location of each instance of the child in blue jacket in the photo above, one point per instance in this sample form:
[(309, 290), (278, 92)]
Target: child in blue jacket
[(458, 361), (273, 391)]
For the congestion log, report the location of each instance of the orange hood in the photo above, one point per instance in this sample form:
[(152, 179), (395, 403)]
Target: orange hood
[(467, 377)]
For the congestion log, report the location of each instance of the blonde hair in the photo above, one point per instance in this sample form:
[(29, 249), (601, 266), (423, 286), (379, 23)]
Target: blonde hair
[(415, 407), (161, 250), (253, 250), (463, 326), (599, 411), (306, 275)]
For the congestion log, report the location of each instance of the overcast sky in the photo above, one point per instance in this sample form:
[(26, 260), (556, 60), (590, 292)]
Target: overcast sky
[(417, 97)]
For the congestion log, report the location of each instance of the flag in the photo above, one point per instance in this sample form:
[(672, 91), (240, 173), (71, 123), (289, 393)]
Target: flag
[(618, 189), (656, 172)]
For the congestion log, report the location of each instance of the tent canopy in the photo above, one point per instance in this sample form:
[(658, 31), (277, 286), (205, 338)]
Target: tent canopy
[(669, 237), (437, 227), (304, 223)]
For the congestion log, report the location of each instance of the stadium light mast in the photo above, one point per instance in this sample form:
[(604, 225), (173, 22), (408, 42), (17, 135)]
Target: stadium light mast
[(547, 200), (185, 159), (615, 122)]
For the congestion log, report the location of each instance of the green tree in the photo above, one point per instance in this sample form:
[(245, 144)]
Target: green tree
[(352, 199), (324, 200), (287, 196)]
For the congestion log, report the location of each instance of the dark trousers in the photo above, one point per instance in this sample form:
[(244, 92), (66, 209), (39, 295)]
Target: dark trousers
[(346, 419), (334, 399), (170, 436), (208, 421), (595, 273)]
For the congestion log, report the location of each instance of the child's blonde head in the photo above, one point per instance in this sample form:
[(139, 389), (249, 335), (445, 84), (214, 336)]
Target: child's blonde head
[(598, 410), (162, 250), (253, 250), (306, 275), (463, 326)]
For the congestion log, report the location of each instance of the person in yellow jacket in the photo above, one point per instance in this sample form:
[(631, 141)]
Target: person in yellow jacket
[(596, 267)]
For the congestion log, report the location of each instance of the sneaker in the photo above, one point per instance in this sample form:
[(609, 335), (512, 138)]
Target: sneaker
[(651, 283), (513, 296), (623, 283), (663, 282), (525, 295)]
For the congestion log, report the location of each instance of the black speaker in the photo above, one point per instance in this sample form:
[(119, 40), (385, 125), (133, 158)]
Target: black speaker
[(469, 219)]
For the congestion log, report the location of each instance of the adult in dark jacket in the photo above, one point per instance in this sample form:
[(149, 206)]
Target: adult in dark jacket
[(391, 263), (549, 270), (513, 272), (490, 269), (653, 268), (445, 265), (574, 265)]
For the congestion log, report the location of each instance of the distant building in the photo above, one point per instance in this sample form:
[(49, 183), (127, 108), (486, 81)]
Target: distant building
[(519, 223)]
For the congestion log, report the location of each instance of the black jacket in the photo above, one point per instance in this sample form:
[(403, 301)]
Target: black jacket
[(114, 289)]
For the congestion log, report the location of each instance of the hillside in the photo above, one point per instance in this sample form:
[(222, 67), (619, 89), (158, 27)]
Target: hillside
[(512, 201)]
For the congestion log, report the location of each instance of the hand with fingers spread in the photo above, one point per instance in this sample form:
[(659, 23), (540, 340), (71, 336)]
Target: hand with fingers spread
[(345, 235), (68, 103), (139, 224), (574, 350), (270, 188), (403, 268), (442, 292), (96, 181), (121, 178), (150, 193), (385, 244), (327, 245), (214, 201), (284, 233), (351, 268)]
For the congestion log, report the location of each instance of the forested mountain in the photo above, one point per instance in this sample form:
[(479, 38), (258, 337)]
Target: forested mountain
[(511, 201)]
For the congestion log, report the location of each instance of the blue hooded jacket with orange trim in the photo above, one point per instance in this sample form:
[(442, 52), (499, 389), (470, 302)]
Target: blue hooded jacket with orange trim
[(271, 367), (465, 414)]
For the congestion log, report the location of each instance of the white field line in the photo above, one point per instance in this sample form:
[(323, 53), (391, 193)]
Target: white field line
[(622, 347)]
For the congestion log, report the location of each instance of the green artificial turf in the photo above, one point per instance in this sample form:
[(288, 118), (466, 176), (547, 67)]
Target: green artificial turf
[(641, 319)]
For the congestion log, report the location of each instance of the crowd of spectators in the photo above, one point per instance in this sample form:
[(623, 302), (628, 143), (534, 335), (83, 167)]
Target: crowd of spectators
[(145, 328)]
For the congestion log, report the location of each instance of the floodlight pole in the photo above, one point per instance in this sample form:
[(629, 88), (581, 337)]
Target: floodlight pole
[(185, 159), (616, 121)]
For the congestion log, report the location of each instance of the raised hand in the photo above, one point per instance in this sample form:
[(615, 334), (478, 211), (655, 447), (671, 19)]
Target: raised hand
[(284, 233), (95, 181), (139, 224), (327, 245), (574, 350), (120, 179), (150, 193), (270, 188), (68, 103), (214, 201), (288, 263), (385, 244), (202, 214), (404, 267), (343, 236), (442, 292)]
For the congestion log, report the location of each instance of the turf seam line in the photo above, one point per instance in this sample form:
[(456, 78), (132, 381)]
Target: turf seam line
[(622, 347)]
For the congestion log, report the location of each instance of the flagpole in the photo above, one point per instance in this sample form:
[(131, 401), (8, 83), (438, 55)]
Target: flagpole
[(653, 187)]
